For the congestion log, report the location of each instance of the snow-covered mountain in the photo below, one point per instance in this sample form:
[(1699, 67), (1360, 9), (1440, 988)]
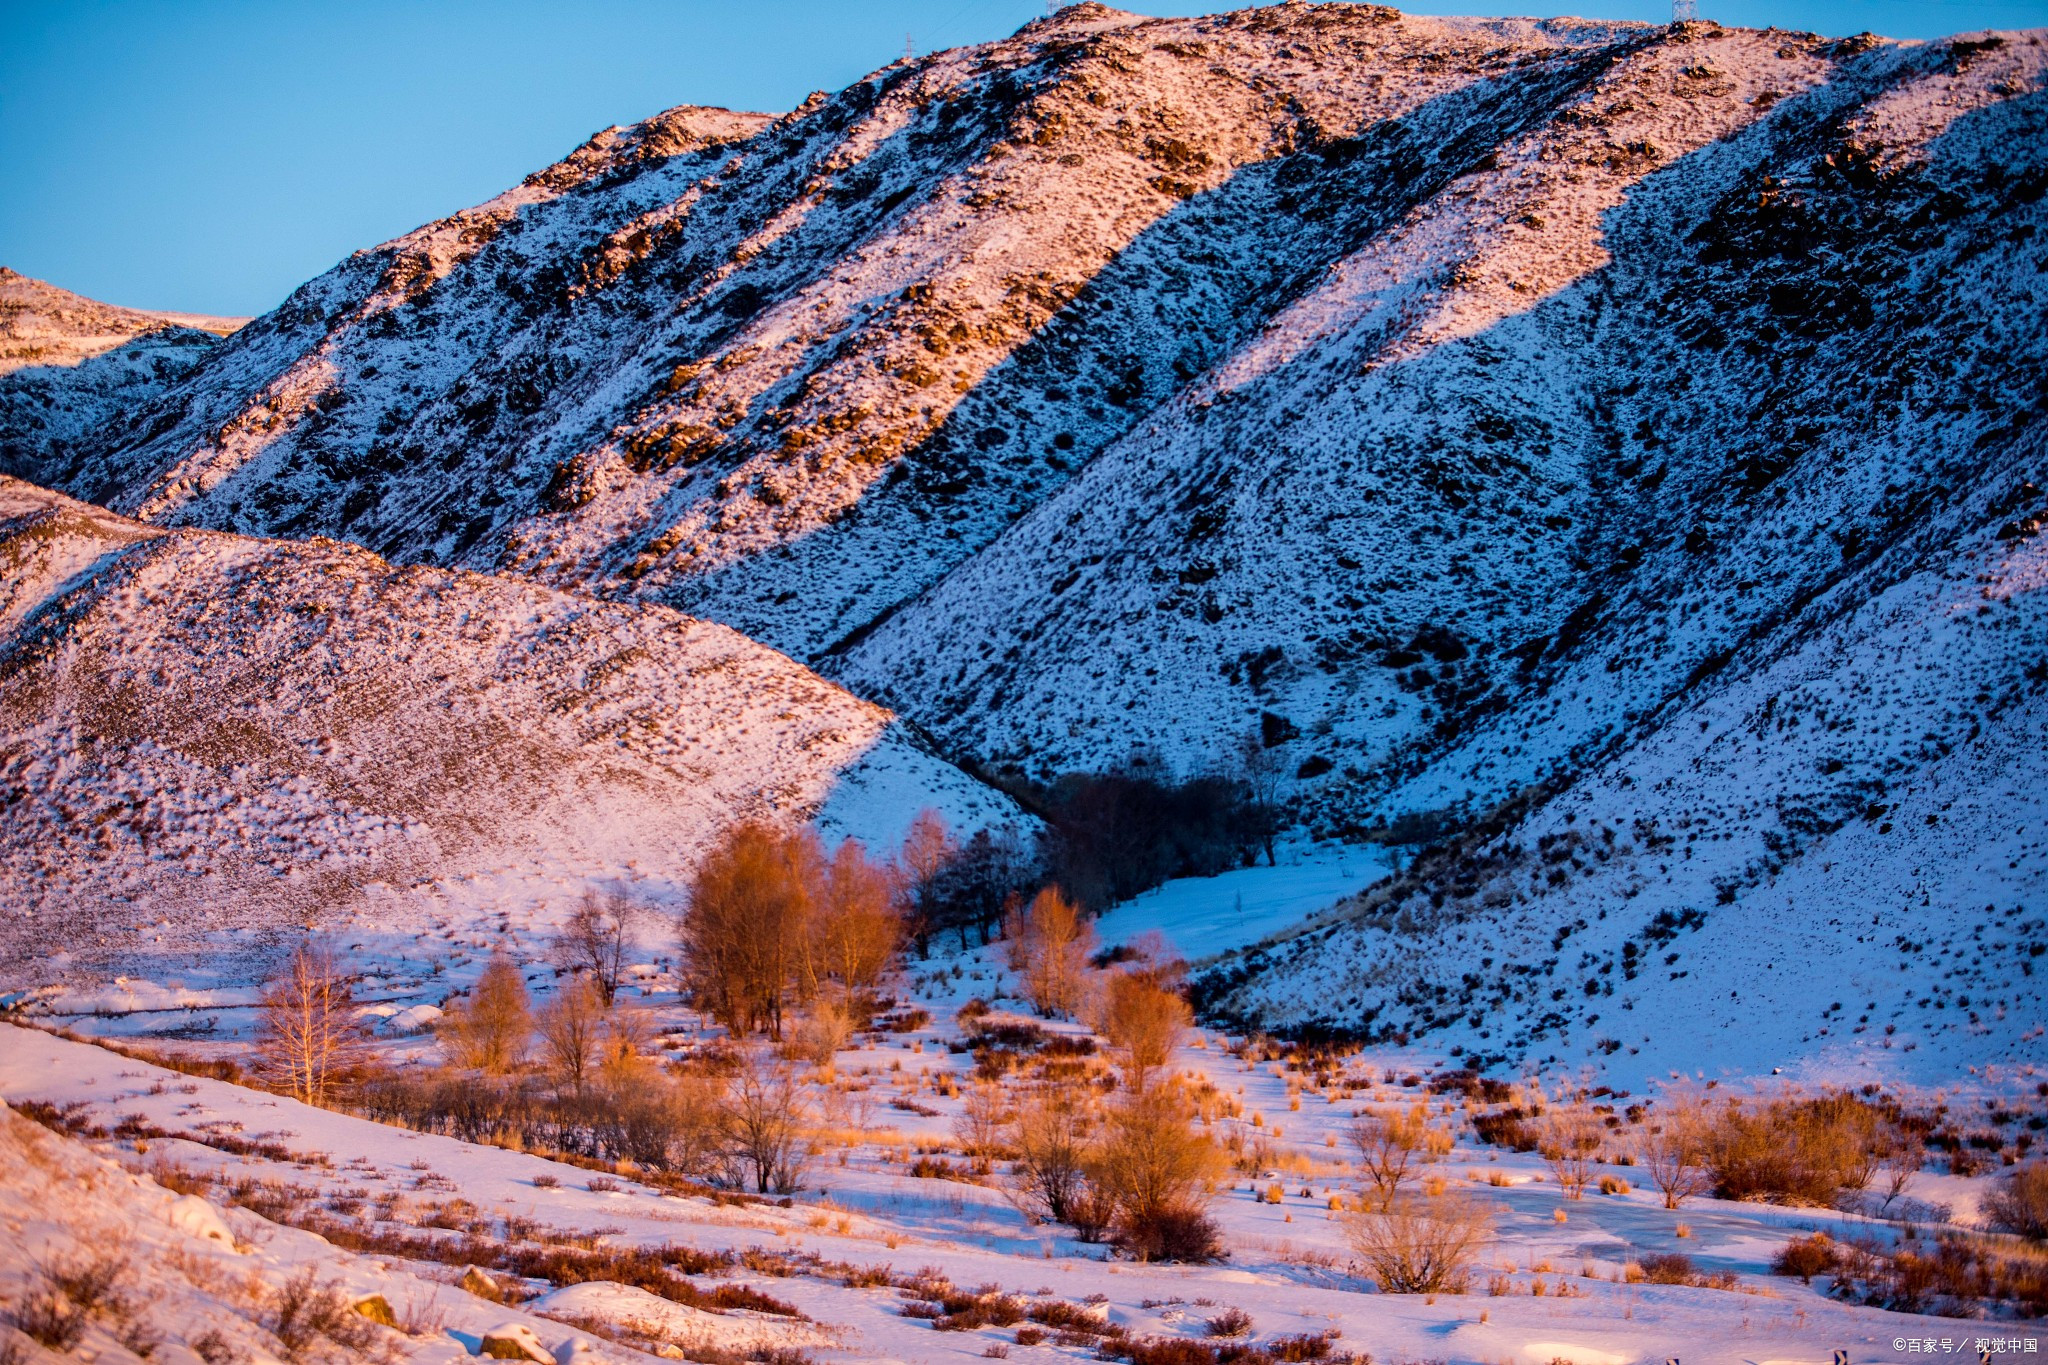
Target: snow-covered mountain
[(69, 363), (204, 736), (1544, 427)]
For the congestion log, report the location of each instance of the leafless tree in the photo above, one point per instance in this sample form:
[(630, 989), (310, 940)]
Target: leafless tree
[(1672, 1145), (1053, 939), (596, 938), (747, 925), (1393, 1147), (490, 1030), (1263, 772), (1904, 1152), (1144, 1022), (1157, 1172), (308, 1034), (1050, 1133), (927, 849), (572, 1027), (766, 1122), (856, 928), (1568, 1138), (982, 1122)]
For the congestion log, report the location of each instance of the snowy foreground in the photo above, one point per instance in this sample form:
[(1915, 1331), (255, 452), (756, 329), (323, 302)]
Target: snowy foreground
[(1550, 1288)]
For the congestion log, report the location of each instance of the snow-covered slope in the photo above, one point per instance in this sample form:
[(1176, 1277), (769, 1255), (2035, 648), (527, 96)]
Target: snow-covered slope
[(203, 735), (1130, 381), (69, 363), (1840, 856), (1488, 415)]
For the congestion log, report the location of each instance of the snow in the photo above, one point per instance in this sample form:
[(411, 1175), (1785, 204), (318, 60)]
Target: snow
[(1288, 1266), (1205, 916), (213, 738)]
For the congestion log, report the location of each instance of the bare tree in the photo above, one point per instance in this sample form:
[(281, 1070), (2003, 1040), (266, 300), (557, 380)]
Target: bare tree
[(1144, 1022), (621, 1060), (1672, 1145), (1157, 1172), (746, 930), (1053, 941), (1421, 1245), (766, 1120), (1393, 1147), (595, 939), (308, 1035), (1262, 771), (982, 1121), (1050, 1134), (572, 1027), (1905, 1153), (490, 1030), (857, 928), (927, 849)]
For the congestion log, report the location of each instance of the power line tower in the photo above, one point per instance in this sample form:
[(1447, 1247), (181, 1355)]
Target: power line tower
[(1684, 10), (910, 53)]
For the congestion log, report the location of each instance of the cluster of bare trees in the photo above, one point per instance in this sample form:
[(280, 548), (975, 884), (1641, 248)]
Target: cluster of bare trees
[(773, 924)]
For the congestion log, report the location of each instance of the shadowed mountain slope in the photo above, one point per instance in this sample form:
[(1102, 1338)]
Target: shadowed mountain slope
[(206, 734), (1476, 417)]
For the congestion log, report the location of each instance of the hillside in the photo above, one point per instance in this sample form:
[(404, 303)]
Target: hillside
[(209, 738), (68, 363), (1511, 428)]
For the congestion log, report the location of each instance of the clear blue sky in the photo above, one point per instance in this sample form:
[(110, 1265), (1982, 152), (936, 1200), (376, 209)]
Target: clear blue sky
[(207, 155)]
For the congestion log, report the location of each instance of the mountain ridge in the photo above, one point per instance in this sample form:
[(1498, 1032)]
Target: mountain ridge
[(1455, 414)]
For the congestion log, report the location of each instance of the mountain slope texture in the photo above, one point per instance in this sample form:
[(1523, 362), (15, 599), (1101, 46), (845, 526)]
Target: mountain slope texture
[(1628, 437), (206, 734)]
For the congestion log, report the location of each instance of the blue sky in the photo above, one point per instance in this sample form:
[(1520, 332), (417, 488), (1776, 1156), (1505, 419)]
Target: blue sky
[(209, 156)]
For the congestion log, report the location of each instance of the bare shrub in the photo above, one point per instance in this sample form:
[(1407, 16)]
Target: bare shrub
[(1050, 1133), (1795, 1149), (308, 1036), (1672, 1145), (312, 1321), (1805, 1257), (1155, 1172), (1231, 1322), (490, 1030), (821, 1033), (982, 1121), (214, 1347), (1421, 1244), (1393, 1146), (2019, 1204), (595, 939), (1569, 1139), (765, 1116), (1052, 941)]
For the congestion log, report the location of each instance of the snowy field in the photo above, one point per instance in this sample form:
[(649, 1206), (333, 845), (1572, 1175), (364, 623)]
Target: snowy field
[(1552, 1284), (1204, 916)]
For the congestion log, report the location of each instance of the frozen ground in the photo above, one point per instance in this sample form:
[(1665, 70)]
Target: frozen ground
[(1204, 916), (1288, 1266)]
